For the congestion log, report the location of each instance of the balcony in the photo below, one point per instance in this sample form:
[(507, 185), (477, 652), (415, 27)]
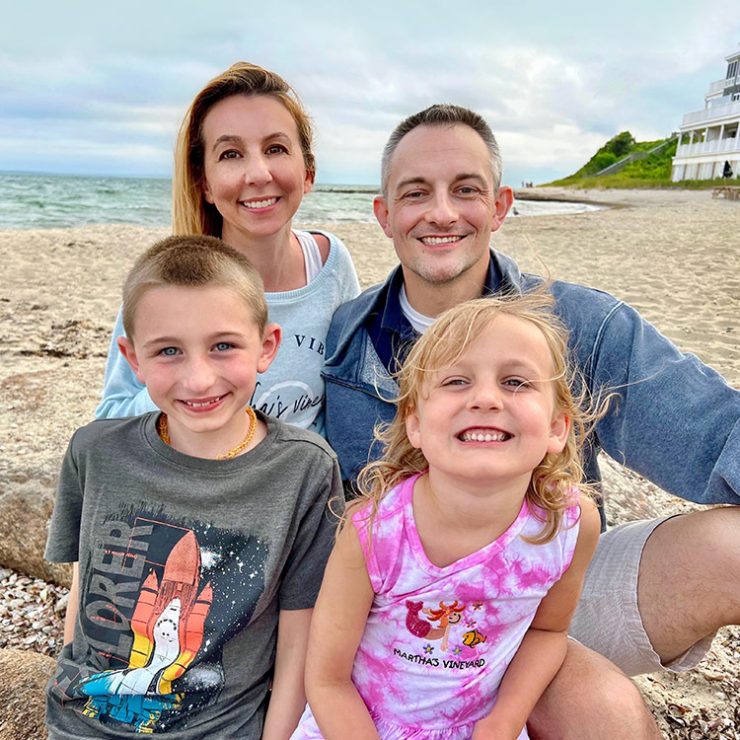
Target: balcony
[(723, 146), (714, 115), (720, 85)]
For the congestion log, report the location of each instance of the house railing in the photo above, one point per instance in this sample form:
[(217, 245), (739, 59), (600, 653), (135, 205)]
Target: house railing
[(729, 145), (721, 84), (712, 114)]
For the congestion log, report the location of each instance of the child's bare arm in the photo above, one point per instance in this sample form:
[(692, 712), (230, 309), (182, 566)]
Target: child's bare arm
[(288, 698), (542, 651), (71, 615), (336, 630)]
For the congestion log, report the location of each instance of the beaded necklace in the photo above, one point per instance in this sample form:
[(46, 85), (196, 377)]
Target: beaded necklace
[(164, 434)]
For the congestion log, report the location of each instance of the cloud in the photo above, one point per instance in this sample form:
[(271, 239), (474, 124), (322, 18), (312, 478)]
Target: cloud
[(87, 81), (546, 109)]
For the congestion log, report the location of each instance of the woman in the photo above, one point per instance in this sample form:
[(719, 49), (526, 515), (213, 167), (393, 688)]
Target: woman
[(243, 163)]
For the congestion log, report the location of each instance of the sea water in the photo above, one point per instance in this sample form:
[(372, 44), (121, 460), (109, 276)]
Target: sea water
[(31, 201)]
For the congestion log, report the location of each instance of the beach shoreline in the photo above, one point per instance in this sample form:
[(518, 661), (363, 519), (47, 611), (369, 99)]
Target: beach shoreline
[(673, 255)]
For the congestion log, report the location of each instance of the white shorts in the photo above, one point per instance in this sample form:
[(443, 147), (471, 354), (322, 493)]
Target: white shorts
[(607, 619)]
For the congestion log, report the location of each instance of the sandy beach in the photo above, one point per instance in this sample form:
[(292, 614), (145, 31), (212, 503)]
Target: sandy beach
[(675, 256)]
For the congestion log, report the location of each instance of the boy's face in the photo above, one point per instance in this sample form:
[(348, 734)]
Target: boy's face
[(198, 351)]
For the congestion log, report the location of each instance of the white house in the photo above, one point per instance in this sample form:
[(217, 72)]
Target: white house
[(709, 137)]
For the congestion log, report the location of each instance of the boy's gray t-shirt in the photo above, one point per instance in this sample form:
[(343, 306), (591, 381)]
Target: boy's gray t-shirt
[(184, 565)]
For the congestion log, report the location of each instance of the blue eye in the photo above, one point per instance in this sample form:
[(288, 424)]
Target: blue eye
[(277, 149), (455, 381), (169, 351), (223, 346)]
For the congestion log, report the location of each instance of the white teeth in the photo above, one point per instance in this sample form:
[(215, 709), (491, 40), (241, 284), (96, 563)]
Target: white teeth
[(433, 241), (484, 436), (201, 404), (259, 203)]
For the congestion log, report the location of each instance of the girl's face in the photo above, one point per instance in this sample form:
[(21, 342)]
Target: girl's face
[(491, 417), (255, 175)]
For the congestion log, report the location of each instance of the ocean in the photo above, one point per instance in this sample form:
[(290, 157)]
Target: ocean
[(31, 201)]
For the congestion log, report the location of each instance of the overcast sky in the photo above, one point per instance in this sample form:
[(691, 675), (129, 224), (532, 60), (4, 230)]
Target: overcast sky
[(100, 88)]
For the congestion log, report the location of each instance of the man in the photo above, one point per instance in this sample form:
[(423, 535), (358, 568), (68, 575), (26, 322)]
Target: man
[(656, 591)]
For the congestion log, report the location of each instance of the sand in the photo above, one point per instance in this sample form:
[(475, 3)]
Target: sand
[(673, 255)]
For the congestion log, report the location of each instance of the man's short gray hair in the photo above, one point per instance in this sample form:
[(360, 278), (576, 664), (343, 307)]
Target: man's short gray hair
[(442, 114)]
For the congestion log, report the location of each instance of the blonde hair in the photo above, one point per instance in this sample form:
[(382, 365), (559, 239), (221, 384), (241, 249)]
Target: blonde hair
[(193, 261), (557, 475), (191, 213)]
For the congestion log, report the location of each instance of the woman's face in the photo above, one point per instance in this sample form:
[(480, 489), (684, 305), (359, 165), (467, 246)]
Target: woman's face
[(255, 175)]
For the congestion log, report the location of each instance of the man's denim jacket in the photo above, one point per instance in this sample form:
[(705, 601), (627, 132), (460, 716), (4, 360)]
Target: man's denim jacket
[(676, 421)]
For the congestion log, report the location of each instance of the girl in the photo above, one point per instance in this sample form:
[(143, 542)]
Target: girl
[(243, 163), (446, 602)]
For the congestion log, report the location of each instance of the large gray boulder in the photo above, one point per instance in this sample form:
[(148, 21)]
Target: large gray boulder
[(25, 508), (23, 676)]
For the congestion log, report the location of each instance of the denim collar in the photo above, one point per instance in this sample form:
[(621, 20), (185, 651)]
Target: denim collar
[(391, 332)]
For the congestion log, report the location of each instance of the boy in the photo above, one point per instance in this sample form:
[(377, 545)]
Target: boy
[(199, 534)]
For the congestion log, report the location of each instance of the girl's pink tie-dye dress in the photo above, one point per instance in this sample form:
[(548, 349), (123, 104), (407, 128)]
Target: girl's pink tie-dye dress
[(438, 640)]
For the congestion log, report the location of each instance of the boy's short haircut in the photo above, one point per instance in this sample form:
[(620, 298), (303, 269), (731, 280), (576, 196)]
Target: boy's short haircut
[(193, 261)]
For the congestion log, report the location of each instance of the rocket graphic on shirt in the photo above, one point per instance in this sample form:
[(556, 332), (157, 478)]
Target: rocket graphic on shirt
[(168, 624), (160, 599)]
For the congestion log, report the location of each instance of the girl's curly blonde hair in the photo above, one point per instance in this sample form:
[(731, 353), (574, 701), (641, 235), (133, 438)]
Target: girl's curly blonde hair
[(555, 478)]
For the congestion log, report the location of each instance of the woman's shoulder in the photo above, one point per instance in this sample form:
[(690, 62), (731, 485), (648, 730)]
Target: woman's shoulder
[(337, 276), (324, 245), (331, 245)]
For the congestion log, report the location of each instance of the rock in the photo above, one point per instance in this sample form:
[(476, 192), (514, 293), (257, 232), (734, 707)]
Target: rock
[(23, 676), (61, 606), (25, 508)]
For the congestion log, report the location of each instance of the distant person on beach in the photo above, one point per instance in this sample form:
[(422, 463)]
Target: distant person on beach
[(243, 163), (727, 170), (198, 533), (460, 568), (656, 591)]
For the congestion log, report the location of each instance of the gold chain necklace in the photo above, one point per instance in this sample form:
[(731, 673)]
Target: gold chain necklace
[(164, 433)]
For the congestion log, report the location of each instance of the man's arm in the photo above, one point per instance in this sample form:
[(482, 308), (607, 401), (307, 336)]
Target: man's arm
[(338, 624), (288, 698), (542, 651), (677, 421)]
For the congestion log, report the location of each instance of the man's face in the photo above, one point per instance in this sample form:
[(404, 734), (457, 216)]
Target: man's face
[(440, 207)]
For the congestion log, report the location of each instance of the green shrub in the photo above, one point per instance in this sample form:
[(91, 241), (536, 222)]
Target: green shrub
[(621, 145), (602, 160), (652, 171)]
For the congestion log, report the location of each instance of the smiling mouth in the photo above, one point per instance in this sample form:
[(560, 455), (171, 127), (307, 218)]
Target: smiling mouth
[(204, 403), (484, 435), (436, 241), (255, 204)]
